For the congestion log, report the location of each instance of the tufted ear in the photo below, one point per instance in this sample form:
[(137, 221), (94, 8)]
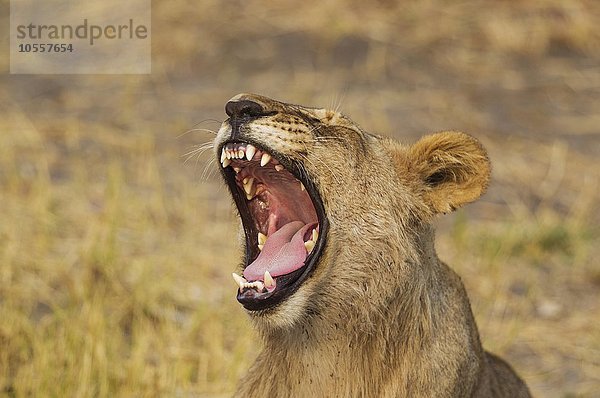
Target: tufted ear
[(453, 169)]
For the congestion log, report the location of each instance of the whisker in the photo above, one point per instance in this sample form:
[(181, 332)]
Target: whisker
[(337, 177), (197, 155), (317, 138), (208, 170), (198, 150), (337, 100), (340, 140), (207, 120), (190, 154), (326, 138), (207, 145), (194, 129), (331, 138), (197, 130), (194, 149)]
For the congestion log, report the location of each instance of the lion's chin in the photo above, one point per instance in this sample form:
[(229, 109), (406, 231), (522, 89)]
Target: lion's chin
[(286, 315)]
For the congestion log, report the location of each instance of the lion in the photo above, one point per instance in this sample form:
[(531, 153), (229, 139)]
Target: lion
[(340, 275)]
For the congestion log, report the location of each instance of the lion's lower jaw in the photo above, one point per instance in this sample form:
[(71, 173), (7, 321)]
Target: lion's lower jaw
[(284, 316)]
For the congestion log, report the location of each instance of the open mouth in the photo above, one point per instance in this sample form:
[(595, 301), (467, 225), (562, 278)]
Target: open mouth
[(283, 218)]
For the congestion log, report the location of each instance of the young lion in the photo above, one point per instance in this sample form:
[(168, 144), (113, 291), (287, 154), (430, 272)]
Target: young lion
[(340, 274)]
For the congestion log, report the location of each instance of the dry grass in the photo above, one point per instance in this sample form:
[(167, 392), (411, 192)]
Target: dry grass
[(115, 255)]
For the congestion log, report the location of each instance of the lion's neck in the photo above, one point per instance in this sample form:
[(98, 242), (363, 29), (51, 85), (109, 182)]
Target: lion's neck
[(340, 358)]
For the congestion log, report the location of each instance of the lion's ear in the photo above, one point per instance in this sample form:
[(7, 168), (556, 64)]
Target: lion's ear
[(453, 169)]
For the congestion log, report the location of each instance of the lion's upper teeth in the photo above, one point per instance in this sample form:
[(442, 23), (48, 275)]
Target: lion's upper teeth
[(237, 155), (262, 238), (250, 151), (248, 185), (229, 153), (265, 159)]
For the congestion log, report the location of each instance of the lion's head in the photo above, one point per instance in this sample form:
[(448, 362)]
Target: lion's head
[(335, 219)]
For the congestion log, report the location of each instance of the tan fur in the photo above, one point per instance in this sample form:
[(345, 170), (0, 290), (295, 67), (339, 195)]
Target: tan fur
[(381, 315)]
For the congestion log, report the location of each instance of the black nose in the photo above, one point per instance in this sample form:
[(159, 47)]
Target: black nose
[(243, 108)]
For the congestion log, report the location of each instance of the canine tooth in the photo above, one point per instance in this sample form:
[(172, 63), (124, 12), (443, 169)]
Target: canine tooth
[(245, 181), (249, 197), (250, 151), (260, 247), (239, 280), (262, 238), (302, 186), (265, 159), (279, 167), (226, 163), (315, 235), (248, 185), (309, 245), (268, 279), (223, 155)]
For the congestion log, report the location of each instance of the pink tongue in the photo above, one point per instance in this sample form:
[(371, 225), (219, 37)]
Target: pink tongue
[(284, 252)]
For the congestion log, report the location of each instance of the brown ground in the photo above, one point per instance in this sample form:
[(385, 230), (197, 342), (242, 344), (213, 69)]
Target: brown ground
[(115, 254)]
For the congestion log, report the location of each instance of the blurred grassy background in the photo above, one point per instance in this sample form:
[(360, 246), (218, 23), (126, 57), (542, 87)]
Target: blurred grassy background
[(115, 254)]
